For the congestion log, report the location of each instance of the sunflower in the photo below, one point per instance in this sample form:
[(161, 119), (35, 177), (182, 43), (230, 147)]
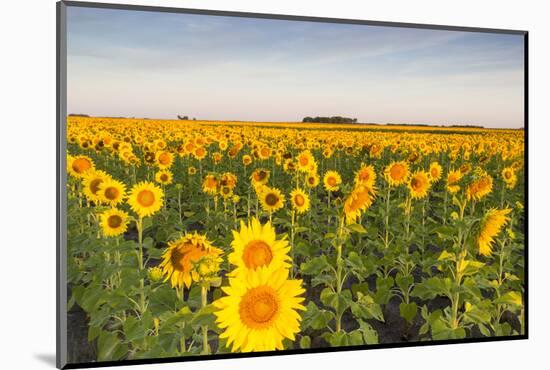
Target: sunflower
[(312, 180), (260, 311), (228, 179), (289, 165), (491, 225), (210, 184), (304, 161), (92, 180), (480, 187), (299, 200), (180, 260), (164, 159), (358, 201), (145, 199), (256, 245), (191, 170), (226, 191), (397, 173), (79, 165), (271, 199), (435, 171), (164, 177), (419, 184), (366, 175), (111, 192), (509, 177), (247, 160), (332, 181), (453, 177), (114, 222), (260, 176)]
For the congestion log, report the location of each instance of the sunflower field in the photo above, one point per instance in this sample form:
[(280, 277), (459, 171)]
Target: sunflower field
[(194, 237)]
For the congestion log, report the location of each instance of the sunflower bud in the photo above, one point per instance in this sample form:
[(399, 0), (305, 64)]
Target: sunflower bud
[(155, 274)]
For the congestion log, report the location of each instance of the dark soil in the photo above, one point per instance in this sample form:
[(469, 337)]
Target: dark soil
[(79, 350)]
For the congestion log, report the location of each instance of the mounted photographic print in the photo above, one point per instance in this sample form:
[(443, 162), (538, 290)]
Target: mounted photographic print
[(235, 184)]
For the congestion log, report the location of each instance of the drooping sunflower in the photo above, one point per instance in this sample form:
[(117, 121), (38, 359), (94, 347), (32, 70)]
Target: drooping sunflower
[(228, 179), (366, 175), (332, 181), (397, 173), (181, 256), (509, 177), (260, 311), (453, 178), (114, 222), (145, 199), (480, 187), (164, 177), (435, 172), (419, 184), (92, 180), (491, 225), (358, 201), (210, 184), (260, 176), (256, 245), (79, 165), (299, 200), (271, 199), (111, 192)]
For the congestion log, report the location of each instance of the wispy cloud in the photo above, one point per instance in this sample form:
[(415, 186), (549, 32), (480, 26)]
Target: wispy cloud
[(161, 64)]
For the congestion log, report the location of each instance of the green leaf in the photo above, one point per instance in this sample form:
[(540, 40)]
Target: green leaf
[(370, 336), (367, 308), (484, 330), (356, 263), (109, 347), (408, 311), (169, 324), (344, 339), (511, 298), (204, 316), (433, 287), (300, 229), (357, 228), (133, 329), (93, 332), (315, 266), (404, 282), (446, 256), (305, 342), (315, 318)]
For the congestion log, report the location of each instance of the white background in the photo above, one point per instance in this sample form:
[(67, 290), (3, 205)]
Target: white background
[(27, 195)]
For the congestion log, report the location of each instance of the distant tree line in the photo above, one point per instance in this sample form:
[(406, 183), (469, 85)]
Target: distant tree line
[(333, 119), (185, 118), (78, 115)]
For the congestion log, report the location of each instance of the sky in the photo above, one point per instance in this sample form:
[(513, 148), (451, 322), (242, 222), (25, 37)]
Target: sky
[(160, 65)]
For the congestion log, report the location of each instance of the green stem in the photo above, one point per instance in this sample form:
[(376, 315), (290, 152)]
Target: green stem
[(339, 264), (387, 218), (206, 347), (140, 265)]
